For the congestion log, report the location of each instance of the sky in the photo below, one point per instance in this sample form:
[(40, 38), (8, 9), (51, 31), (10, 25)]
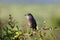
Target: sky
[(27, 1)]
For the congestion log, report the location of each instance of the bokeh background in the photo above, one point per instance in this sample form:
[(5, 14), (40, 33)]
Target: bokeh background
[(44, 11)]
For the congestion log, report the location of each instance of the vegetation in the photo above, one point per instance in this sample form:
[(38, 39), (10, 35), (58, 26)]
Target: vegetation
[(16, 28)]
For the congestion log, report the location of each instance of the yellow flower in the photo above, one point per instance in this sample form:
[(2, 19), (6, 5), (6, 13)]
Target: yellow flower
[(20, 32), (17, 33), (15, 36), (42, 33), (40, 38)]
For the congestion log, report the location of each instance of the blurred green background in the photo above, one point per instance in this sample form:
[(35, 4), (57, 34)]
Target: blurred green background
[(41, 12), (48, 13)]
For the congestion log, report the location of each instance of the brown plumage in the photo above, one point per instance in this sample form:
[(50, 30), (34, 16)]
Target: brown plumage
[(31, 21)]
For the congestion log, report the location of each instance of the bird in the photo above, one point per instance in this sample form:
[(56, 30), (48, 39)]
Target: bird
[(31, 21)]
